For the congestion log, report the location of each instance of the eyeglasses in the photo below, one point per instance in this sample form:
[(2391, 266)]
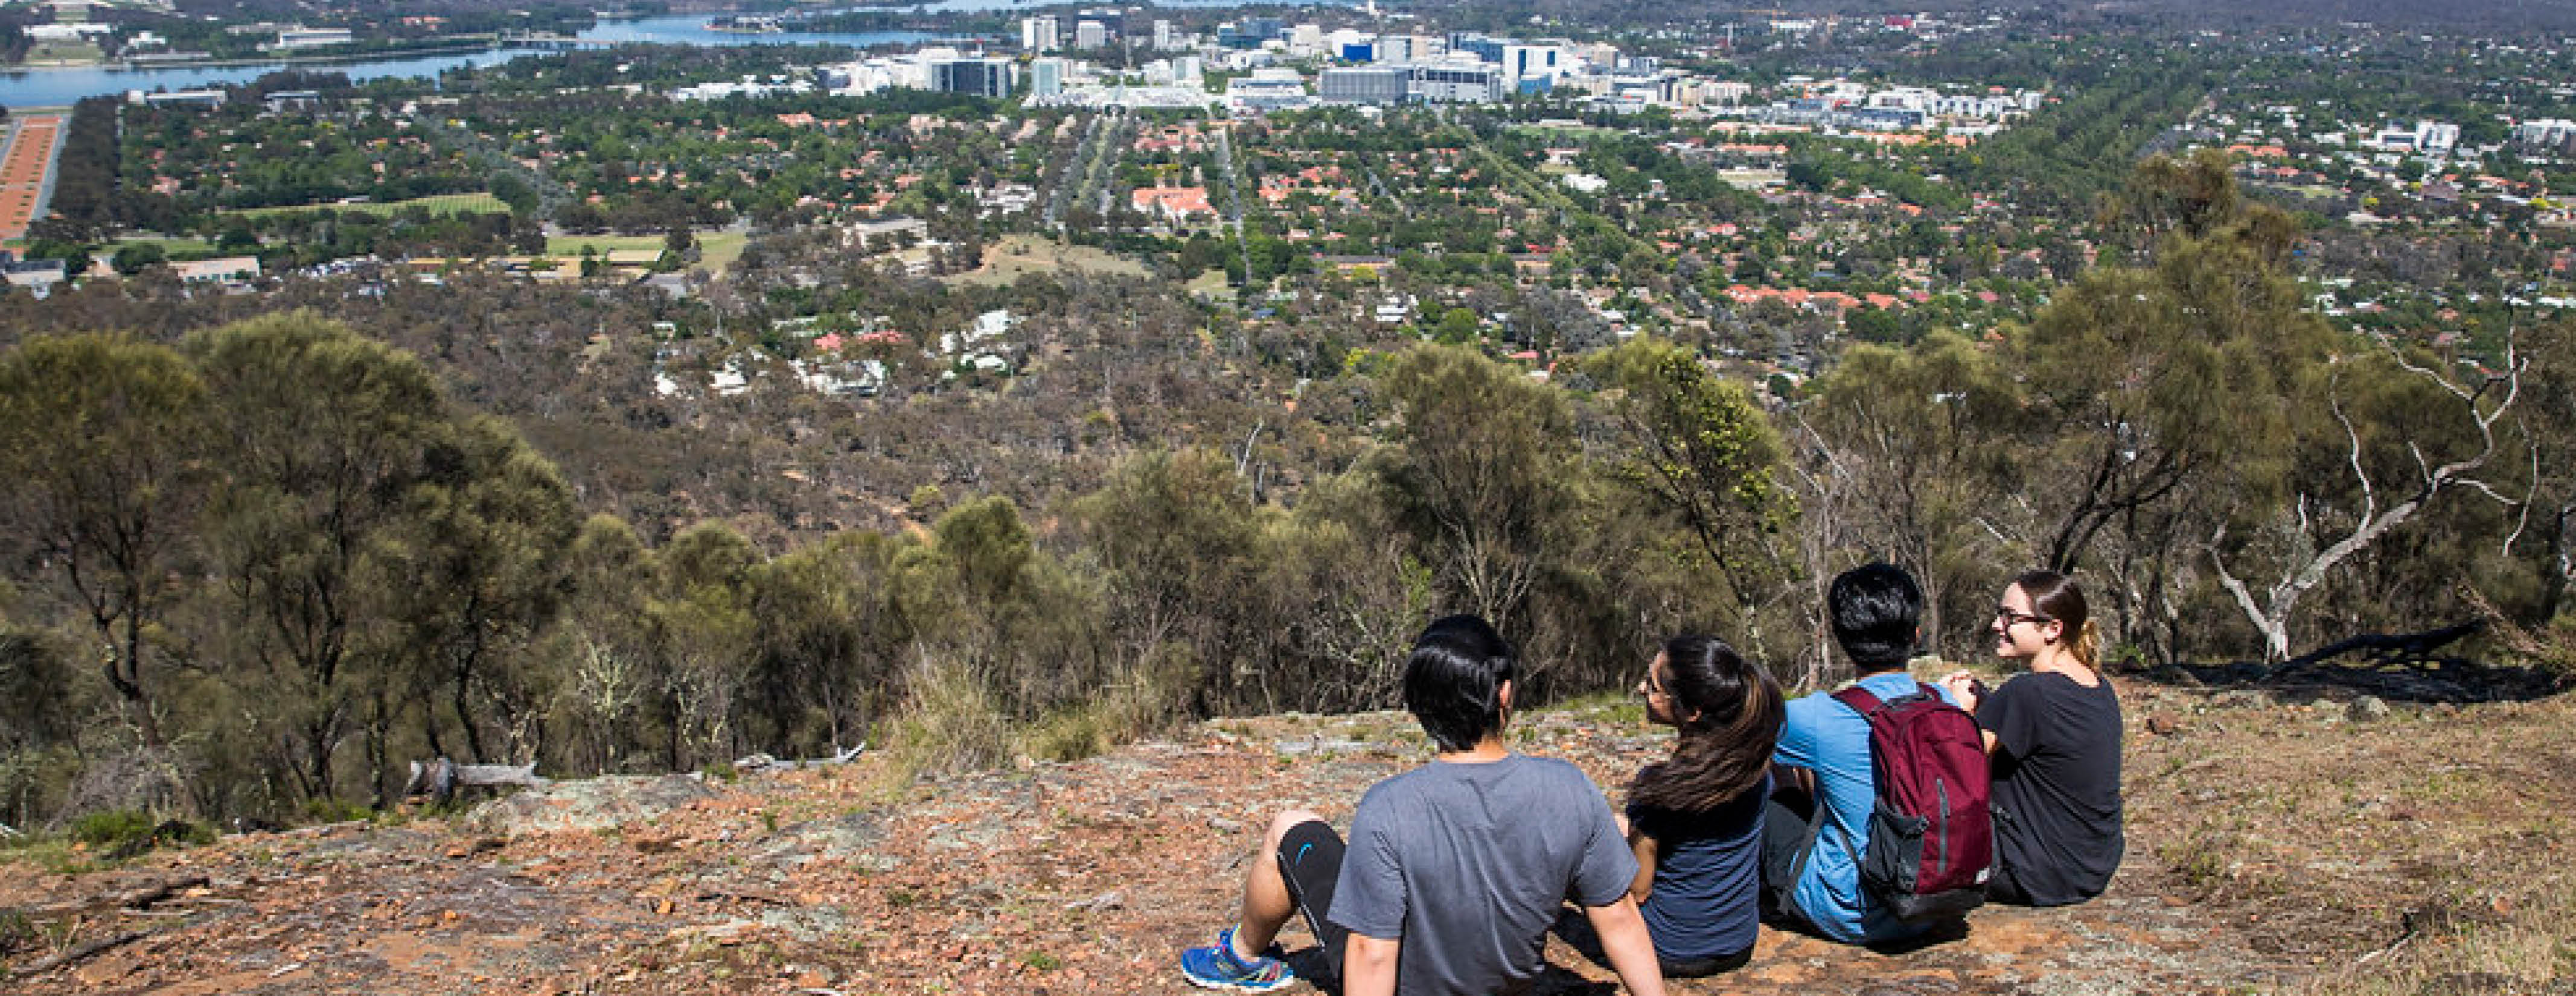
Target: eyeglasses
[(2009, 617)]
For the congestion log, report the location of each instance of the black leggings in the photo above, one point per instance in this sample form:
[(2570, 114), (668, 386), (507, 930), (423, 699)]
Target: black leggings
[(1310, 859), (1693, 968)]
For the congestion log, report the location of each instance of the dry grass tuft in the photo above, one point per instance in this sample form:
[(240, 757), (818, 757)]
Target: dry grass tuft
[(2423, 854)]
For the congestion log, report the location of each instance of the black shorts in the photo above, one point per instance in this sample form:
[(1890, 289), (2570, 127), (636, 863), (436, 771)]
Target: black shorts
[(1310, 859)]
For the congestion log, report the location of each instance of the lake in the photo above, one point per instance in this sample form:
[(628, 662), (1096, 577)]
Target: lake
[(60, 87)]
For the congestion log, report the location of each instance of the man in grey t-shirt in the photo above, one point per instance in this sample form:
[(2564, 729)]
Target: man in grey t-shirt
[(1455, 870)]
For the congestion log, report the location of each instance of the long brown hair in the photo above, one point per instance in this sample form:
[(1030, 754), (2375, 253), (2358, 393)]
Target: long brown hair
[(1726, 747), (2056, 596)]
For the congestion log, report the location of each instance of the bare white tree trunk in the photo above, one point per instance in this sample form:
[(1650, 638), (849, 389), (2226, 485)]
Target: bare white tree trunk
[(2306, 568)]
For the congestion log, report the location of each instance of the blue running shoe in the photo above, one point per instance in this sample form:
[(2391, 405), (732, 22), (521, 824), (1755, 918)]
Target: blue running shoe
[(1219, 968)]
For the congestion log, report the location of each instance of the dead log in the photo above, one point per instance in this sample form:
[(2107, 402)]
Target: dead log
[(764, 762), (133, 899), (440, 779), (79, 954), (2387, 648)]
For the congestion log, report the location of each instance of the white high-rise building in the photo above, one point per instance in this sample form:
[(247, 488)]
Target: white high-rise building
[(1041, 34), (1188, 71), (2546, 132), (1046, 77), (1090, 34), (1162, 35), (2436, 136), (1305, 39)]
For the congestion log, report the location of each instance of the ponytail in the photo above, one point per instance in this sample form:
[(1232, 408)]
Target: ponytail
[(1726, 748), (2057, 597)]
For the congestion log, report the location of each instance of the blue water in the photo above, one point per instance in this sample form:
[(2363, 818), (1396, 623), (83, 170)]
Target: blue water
[(60, 87)]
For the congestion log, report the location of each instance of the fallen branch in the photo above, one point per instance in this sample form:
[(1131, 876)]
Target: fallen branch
[(764, 762), (133, 899), (79, 954), (2388, 648), (323, 829)]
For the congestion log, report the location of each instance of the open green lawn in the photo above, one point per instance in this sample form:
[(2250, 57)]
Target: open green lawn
[(1213, 286), (42, 53), (174, 248), (569, 246), (1563, 132), (436, 203), (1017, 255), (717, 251)]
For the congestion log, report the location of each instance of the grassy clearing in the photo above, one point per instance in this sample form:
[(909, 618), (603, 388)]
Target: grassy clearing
[(2421, 854), (570, 246), (173, 247), (436, 203), (47, 53), (1213, 286), (717, 251), (1563, 132), (1016, 256)]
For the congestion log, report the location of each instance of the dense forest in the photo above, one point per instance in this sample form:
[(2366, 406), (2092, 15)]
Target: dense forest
[(261, 552)]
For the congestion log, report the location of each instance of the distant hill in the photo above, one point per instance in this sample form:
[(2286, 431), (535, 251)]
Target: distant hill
[(2468, 17)]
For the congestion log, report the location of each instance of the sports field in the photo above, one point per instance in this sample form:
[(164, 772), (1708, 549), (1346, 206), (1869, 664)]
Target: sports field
[(436, 203)]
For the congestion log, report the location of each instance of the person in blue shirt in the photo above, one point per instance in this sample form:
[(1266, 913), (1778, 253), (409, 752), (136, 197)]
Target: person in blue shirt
[(1817, 826)]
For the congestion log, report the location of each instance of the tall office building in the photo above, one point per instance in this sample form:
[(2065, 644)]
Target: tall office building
[(1090, 34), (1046, 77), (1362, 85), (1162, 35), (1041, 34), (983, 77)]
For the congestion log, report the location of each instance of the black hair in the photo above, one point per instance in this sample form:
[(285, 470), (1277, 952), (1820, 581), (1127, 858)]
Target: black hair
[(1725, 748), (1454, 678), (1878, 611)]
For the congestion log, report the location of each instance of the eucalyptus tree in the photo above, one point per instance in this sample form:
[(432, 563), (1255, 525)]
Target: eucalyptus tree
[(99, 435)]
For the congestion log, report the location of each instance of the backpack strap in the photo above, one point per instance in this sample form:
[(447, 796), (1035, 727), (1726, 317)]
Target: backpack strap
[(1861, 700), (1867, 703)]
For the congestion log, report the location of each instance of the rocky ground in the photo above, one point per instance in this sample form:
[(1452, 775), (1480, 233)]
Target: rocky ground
[(2297, 844)]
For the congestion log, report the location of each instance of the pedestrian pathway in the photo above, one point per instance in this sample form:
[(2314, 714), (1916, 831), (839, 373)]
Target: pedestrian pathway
[(22, 172)]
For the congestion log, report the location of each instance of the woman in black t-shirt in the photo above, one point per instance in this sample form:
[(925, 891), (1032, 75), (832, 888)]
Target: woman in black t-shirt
[(2054, 736), (1695, 820)]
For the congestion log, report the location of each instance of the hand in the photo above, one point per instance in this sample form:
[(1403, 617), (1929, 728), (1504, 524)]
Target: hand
[(1964, 689)]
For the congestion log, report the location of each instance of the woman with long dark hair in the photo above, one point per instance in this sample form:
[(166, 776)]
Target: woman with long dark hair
[(2054, 736), (1695, 820)]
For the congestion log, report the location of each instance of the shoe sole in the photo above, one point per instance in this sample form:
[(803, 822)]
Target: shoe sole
[(1239, 987)]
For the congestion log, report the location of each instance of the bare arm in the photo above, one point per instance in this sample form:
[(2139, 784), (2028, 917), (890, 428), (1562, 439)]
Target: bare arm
[(1964, 687), (1368, 966), (1644, 847), (1624, 939)]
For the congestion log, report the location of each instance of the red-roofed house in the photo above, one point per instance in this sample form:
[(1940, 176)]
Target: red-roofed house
[(1178, 204)]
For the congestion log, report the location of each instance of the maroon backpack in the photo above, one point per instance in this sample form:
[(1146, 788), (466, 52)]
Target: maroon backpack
[(1931, 837)]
